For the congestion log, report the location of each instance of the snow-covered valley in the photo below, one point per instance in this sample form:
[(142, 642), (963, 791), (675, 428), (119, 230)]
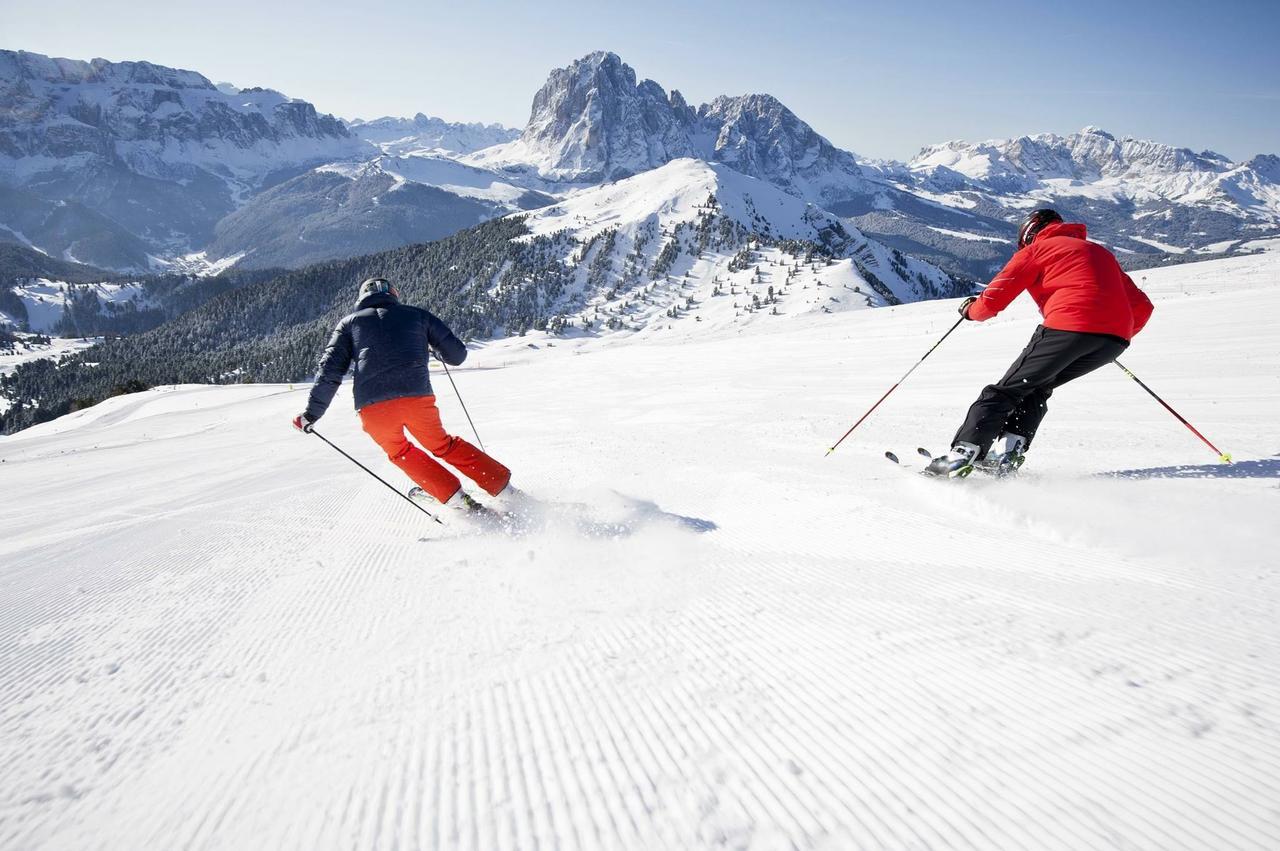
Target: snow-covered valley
[(217, 633)]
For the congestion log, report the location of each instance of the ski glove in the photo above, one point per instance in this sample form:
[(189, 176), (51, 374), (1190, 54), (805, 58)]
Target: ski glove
[(303, 423), (964, 305)]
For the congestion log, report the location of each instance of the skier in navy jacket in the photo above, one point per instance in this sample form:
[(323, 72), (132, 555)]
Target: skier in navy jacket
[(389, 344)]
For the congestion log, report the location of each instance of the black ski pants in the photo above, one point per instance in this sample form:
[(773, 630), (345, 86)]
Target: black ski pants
[(1018, 402)]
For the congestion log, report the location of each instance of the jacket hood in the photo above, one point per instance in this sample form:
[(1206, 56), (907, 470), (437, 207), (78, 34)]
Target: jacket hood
[(1075, 229), (377, 300)]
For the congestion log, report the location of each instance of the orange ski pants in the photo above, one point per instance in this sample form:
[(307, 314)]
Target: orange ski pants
[(386, 422)]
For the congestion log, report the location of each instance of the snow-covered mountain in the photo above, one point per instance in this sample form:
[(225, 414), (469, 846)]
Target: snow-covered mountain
[(127, 163), (698, 242), (955, 204), (157, 154), (423, 133), (690, 249), (1094, 163), (593, 121), (1142, 198)]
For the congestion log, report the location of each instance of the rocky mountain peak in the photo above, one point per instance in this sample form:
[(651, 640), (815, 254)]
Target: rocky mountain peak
[(593, 121)]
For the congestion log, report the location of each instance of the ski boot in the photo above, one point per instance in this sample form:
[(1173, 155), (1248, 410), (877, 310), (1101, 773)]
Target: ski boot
[(1006, 462), (956, 464), (460, 505), (511, 500)]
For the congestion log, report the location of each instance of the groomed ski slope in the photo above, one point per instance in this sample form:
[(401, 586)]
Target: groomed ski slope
[(217, 633)]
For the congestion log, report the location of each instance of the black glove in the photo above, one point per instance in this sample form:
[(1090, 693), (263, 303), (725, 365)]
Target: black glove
[(303, 423), (964, 305)]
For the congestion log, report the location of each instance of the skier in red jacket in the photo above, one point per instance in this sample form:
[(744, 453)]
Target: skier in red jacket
[(1091, 310)]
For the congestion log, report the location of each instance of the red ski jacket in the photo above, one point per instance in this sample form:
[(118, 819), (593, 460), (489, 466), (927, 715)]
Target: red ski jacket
[(1077, 284)]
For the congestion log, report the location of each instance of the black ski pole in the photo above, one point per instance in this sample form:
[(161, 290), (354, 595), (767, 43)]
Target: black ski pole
[(375, 475), (460, 402), (1224, 457), (895, 386)]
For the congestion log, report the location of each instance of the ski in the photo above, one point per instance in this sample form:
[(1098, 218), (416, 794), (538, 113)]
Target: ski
[(993, 466), (480, 518), (907, 464), (924, 471), (920, 450)]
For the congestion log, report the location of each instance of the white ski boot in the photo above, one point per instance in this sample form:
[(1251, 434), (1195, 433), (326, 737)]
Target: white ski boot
[(956, 464), (461, 505), (510, 500), (1009, 459)]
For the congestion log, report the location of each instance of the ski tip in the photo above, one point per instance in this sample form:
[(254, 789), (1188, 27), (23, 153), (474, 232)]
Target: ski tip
[(920, 450), (892, 457)]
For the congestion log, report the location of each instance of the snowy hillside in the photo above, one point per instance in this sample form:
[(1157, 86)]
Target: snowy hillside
[(46, 301), (696, 242), (18, 348), (714, 637)]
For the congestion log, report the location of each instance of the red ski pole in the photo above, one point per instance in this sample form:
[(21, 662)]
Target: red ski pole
[(895, 386), (1224, 457)]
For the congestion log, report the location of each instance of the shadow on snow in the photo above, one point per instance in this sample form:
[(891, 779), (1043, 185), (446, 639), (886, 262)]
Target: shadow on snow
[(1265, 468)]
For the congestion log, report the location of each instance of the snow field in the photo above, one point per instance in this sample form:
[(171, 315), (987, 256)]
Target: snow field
[(220, 634)]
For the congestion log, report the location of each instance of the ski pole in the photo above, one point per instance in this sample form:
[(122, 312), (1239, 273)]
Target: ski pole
[(460, 402), (895, 386), (1224, 457), (376, 476)]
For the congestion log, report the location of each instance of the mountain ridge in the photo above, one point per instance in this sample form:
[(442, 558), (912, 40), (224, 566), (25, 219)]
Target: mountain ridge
[(136, 193)]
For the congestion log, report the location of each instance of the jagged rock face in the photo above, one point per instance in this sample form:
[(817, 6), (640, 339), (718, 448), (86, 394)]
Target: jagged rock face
[(145, 114), (425, 133), (592, 121), (1266, 166), (758, 136), (160, 151)]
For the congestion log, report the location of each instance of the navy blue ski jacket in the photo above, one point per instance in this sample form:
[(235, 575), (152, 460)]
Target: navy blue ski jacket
[(388, 343)]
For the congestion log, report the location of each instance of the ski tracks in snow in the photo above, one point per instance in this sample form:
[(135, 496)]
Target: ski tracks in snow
[(234, 640)]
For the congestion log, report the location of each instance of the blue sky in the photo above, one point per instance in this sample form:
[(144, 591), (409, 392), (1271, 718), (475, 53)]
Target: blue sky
[(882, 79)]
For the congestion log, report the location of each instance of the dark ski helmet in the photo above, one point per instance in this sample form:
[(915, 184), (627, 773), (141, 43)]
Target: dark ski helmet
[(1034, 223), (372, 286)]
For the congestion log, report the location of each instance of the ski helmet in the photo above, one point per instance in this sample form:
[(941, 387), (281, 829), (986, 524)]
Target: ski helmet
[(1034, 223), (372, 286)]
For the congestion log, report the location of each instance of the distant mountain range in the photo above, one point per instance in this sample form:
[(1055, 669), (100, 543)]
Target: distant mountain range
[(138, 168), (424, 133), (619, 209), (117, 164)]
